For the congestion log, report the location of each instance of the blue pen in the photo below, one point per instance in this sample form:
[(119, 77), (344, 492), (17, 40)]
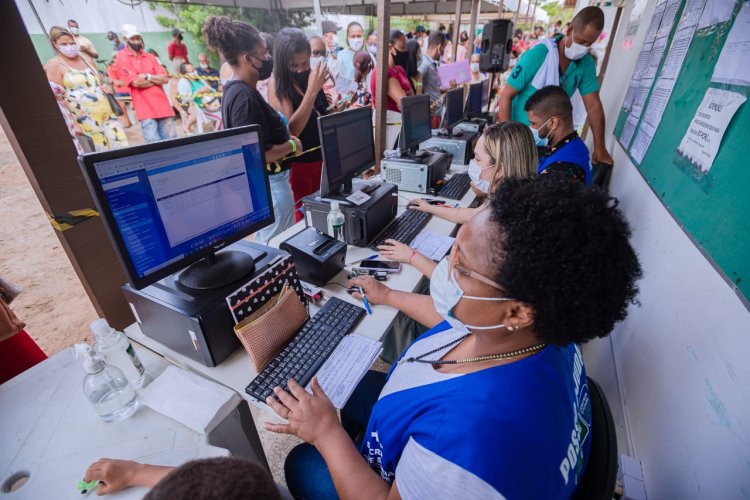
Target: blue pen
[(364, 301)]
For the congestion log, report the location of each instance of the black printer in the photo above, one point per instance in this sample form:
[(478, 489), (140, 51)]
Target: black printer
[(318, 257)]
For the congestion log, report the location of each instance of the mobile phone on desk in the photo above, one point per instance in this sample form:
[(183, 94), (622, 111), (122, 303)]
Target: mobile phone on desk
[(378, 265)]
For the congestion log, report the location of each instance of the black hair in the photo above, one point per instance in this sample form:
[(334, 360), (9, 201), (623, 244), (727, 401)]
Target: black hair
[(268, 38), (412, 68), (463, 37), (288, 42), (73, 21), (551, 101), (589, 16), (436, 39), (353, 23), (152, 52), (228, 478), (231, 38), (566, 253), (395, 36)]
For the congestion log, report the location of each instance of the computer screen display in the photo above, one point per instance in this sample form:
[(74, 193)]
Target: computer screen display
[(415, 121), (454, 107), (474, 101), (485, 93), (169, 204), (348, 145)]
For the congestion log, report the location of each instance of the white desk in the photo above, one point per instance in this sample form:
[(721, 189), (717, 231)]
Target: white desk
[(50, 430), (237, 372)]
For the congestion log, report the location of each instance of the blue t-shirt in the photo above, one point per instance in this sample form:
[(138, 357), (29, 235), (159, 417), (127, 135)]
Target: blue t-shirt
[(520, 430), (570, 153)]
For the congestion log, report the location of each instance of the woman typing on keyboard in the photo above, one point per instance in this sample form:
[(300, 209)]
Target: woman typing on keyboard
[(492, 402)]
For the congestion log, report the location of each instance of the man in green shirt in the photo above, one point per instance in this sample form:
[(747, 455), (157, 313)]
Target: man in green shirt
[(576, 70)]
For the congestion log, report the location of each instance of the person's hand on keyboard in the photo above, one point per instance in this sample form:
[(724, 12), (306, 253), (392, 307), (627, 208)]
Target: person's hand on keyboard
[(310, 417), (376, 291), (395, 250)]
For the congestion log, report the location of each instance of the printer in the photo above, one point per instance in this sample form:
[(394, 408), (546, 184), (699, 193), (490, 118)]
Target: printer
[(318, 257), (460, 144)]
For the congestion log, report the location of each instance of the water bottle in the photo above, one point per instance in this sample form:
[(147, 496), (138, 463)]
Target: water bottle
[(336, 222), (117, 351), (106, 387)]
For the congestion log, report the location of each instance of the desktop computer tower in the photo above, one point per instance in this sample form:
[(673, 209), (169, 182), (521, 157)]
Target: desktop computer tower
[(195, 323), (363, 222), (461, 147), (416, 175)]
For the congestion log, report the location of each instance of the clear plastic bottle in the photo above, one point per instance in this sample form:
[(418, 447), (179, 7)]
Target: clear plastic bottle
[(336, 222), (117, 351), (106, 387)]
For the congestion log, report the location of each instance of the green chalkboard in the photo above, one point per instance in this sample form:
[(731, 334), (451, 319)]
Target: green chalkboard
[(712, 208)]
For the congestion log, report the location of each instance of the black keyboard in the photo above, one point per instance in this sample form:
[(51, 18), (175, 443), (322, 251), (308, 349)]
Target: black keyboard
[(306, 352), (404, 228), (456, 187)]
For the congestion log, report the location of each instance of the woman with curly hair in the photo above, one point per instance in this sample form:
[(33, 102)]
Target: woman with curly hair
[(492, 402)]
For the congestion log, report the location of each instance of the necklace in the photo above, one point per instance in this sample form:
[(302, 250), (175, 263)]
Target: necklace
[(477, 359)]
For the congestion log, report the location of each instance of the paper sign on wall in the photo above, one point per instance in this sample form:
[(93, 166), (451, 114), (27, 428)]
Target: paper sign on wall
[(703, 138)]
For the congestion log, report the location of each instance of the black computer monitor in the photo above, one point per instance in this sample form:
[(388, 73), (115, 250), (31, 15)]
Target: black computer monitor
[(454, 107), (474, 101), (348, 148), (174, 203), (485, 94), (415, 121)]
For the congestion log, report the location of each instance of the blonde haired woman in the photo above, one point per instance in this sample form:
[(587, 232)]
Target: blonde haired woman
[(505, 149)]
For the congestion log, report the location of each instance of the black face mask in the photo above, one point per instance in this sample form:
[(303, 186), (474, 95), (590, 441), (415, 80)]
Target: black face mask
[(265, 70), (136, 47), (302, 78), (400, 58)]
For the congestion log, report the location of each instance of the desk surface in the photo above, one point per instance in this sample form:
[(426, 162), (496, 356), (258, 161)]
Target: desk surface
[(236, 371), (50, 430)]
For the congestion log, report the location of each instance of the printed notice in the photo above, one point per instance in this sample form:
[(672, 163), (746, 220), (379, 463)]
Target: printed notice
[(715, 12), (642, 141), (628, 130), (732, 66), (703, 138)]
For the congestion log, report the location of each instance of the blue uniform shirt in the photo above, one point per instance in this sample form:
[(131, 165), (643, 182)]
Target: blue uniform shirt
[(569, 153)]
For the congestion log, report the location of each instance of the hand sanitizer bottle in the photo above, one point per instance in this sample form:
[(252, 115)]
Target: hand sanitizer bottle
[(106, 387), (117, 351), (336, 222)]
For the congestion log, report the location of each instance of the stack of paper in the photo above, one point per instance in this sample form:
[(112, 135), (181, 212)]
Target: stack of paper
[(346, 366), (432, 245)]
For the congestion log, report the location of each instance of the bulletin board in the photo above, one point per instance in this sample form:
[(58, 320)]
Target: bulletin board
[(711, 205)]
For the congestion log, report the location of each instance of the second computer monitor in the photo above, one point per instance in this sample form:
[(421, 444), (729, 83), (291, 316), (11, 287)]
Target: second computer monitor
[(474, 101), (415, 121), (485, 94), (454, 107), (348, 148)]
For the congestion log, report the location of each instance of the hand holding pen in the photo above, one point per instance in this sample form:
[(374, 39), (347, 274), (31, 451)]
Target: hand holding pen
[(370, 291)]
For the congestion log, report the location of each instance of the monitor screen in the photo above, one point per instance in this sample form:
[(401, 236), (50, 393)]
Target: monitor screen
[(485, 93), (474, 101), (172, 203), (454, 107), (348, 146), (415, 121)]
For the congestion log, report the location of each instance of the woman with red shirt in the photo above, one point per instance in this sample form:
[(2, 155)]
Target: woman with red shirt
[(398, 82)]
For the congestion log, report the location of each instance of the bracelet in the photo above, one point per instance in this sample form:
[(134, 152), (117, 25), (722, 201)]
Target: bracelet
[(413, 253), (294, 146)]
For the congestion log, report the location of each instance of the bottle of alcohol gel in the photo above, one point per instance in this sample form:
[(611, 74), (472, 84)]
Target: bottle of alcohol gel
[(336, 222), (106, 387), (117, 351)]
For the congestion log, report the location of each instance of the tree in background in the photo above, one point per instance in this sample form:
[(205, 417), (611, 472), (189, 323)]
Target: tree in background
[(558, 12)]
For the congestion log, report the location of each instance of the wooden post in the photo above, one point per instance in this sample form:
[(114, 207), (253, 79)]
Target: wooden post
[(533, 15), (456, 30), (472, 25), (528, 8), (518, 9), (381, 76), (40, 139)]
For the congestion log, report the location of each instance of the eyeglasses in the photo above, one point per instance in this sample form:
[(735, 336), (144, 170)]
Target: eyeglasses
[(455, 266)]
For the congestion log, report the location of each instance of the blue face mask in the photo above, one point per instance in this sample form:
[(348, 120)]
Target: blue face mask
[(540, 141)]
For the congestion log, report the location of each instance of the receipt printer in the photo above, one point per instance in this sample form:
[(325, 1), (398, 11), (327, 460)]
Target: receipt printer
[(318, 257)]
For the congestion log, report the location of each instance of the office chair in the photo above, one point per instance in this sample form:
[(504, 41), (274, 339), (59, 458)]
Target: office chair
[(598, 482)]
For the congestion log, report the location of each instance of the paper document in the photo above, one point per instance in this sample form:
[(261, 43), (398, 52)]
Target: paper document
[(715, 12), (346, 366), (432, 245), (703, 137), (732, 66), (458, 71)]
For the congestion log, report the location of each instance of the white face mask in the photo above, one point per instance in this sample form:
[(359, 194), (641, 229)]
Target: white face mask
[(576, 51), (69, 50), (474, 67), (372, 48), (73, 30), (316, 61), (475, 172), (356, 43), (204, 65), (446, 293)]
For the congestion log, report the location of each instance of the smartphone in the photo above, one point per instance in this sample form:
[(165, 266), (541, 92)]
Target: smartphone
[(378, 265)]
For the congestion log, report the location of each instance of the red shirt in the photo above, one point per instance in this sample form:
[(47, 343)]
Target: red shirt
[(399, 74), (148, 102), (175, 49)]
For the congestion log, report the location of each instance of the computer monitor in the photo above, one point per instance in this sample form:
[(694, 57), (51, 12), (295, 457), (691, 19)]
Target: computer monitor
[(174, 203), (474, 101), (348, 148), (415, 121), (454, 107), (485, 94)]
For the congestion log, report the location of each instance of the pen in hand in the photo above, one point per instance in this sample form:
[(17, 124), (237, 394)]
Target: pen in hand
[(364, 301)]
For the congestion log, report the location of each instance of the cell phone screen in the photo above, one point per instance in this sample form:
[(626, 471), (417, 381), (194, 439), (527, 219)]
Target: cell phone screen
[(379, 265)]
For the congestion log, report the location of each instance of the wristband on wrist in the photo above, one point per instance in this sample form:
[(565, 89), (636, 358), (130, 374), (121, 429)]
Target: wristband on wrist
[(413, 253), (294, 146)]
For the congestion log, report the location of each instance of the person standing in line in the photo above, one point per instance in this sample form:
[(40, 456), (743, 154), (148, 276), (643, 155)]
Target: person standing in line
[(413, 61), (296, 91), (430, 81), (244, 49), (176, 49), (372, 45), (117, 45), (398, 82), (355, 41), (84, 43), (476, 75), (462, 52), (331, 37), (205, 69), (145, 77)]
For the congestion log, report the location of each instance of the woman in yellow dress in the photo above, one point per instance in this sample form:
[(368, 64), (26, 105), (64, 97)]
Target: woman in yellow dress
[(84, 92)]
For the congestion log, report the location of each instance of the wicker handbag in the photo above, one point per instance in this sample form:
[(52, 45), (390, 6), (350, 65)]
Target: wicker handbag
[(266, 331)]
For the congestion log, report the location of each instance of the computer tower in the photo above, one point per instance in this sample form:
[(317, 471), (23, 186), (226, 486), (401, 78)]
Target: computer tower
[(363, 222), (416, 176), (194, 323), (497, 43), (461, 147)]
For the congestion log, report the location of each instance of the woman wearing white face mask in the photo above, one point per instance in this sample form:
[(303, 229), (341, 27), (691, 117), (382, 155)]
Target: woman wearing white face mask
[(84, 92), (355, 41), (486, 401)]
